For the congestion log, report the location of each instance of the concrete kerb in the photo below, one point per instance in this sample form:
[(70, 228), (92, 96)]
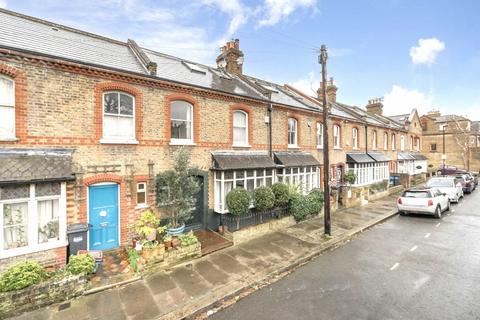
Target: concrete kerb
[(216, 299)]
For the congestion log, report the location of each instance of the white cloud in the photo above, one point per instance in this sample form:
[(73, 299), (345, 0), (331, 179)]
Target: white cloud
[(427, 51), (401, 100), (3, 3), (308, 85), (276, 10), (235, 9)]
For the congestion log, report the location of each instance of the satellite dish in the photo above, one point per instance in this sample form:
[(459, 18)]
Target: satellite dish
[(240, 60)]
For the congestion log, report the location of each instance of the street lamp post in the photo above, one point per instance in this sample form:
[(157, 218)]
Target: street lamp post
[(322, 59)]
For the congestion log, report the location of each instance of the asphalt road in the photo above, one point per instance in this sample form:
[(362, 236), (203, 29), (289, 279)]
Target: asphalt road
[(412, 267)]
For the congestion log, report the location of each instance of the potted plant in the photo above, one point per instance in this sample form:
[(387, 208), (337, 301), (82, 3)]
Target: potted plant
[(146, 227), (148, 249), (175, 242), (167, 241), (350, 178), (176, 190)]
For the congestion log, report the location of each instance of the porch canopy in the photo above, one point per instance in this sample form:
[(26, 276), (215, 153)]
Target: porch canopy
[(35, 165), (379, 157), (418, 156), (295, 159), (359, 158), (243, 160), (405, 156)]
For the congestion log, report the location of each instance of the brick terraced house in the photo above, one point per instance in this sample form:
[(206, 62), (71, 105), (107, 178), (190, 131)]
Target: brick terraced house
[(86, 122)]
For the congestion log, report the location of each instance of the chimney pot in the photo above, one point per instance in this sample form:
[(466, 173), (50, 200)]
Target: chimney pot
[(231, 57)]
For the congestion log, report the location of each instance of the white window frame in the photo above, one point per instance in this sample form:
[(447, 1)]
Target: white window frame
[(355, 138), (182, 142), (336, 136), (374, 140), (319, 135), (12, 136), (385, 141), (394, 141), (32, 226), (118, 140), (402, 143), (245, 142), (369, 173), (141, 190), (294, 131)]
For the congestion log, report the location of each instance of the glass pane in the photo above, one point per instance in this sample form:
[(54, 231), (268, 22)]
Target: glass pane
[(7, 94), (15, 225), (47, 189), (239, 135), (259, 182), (260, 173), (289, 170), (250, 173), (240, 174), (250, 185), (268, 172), (180, 110), (14, 192), (48, 220), (228, 174), (239, 183), (279, 171), (269, 182), (126, 105), (125, 127), (7, 121), (239, 119), (228, 186), (180, 129), (110, 103), (141, 197)]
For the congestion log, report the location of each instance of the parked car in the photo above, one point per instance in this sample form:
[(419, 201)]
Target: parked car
[(449, 170), (466, 181), (424, 201), (447, 185), (474, 179)]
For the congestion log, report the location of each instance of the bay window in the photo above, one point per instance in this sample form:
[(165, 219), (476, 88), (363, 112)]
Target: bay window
[(305, 178), (240, 128), (368, 173), (32, 218), (118, 117), (7, 108), (292, 133), (181, 122)]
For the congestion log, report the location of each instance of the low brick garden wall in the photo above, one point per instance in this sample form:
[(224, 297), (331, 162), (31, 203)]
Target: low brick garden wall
[(173, 256), (41, 295), (260, 229)]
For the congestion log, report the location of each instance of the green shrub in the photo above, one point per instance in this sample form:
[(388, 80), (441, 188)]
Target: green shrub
[(188, 239), (315, 201), (280, 191), (299, 207), (238, 201), (263, 198), (81, 264), (21, 275), (133, 257)]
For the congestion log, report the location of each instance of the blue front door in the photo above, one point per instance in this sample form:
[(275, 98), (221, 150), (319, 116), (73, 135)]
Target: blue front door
[(103, 217)]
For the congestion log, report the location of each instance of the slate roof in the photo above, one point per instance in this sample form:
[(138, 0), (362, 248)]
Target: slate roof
[(379, 157), (401, 118), (450, 117), (241, 160), (295, 159), (359, 158), (34, 165)]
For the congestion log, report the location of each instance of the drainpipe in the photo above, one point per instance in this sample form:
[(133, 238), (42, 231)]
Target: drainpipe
[(270, 138)]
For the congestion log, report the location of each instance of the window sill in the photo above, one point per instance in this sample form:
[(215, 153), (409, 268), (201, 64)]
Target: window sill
[(28, 250), (141, 206), (182, 143), (319, 147), (113, 141), (9, 139), (293, 146), (337, 148), (241, 146)]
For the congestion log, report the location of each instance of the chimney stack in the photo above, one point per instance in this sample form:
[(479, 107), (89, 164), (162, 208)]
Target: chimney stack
[(375, 106), (331, 91), (230, 58)]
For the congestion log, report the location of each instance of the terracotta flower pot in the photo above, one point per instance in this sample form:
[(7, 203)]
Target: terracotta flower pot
[(168, 244), (175, 242)]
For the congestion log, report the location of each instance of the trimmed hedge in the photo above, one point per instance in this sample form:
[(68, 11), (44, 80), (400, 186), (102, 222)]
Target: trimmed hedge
[(299, 207), (21, 275), (282, 196), (263, 198), (315, 201), (81, 264), (238, 201)]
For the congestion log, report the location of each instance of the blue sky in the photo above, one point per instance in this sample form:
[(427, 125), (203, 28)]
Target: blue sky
[(415, 53)]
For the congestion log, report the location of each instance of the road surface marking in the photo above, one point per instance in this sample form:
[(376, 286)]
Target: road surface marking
[(413, 248), (427, 235), (395, 266), (438, 225)]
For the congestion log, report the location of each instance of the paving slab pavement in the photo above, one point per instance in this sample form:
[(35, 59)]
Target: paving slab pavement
[(198, 284)]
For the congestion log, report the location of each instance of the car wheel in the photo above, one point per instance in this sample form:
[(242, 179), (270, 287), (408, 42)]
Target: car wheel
[(402, 213), (448, 206), (438, 213)]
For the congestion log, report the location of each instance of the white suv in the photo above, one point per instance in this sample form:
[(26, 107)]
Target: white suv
[(423, 201), (447, 185)]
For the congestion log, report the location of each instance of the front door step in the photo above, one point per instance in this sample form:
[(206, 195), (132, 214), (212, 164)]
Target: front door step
[(211, 241)]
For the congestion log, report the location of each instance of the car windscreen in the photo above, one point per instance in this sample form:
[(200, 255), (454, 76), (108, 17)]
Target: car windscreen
[(416, 194), (439, 183)]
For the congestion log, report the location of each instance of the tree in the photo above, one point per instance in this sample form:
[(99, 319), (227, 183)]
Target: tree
[(176, 189), (461, 135)]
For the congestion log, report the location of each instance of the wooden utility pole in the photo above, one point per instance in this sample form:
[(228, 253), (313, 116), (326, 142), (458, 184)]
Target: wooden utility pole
[(322, 59)]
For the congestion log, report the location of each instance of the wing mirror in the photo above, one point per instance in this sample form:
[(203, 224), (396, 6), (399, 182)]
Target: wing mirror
[(459, 185)]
